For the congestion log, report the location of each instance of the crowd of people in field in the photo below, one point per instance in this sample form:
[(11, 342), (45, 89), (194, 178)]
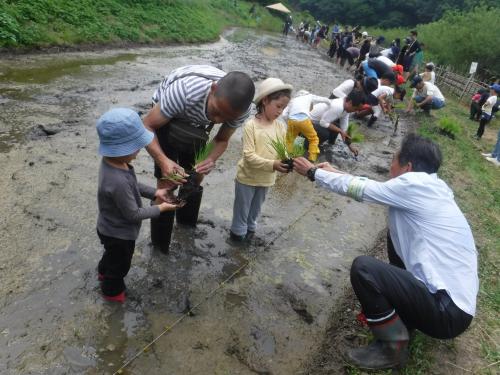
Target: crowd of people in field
[(431, 280)]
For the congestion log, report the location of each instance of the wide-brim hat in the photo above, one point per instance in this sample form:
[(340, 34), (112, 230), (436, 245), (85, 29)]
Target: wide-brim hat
[(121, 133), (268, 86)]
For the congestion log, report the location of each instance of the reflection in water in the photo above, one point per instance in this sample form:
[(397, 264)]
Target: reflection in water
[(56, 68)]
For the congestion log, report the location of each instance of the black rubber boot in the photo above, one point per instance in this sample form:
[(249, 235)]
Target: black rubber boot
[(161, 231), (388, 350), (188, 215)]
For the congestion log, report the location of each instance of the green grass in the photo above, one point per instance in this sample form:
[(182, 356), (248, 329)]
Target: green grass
[(58, 22)]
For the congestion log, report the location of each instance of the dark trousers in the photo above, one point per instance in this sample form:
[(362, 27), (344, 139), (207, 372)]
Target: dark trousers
[(115, 263), (475, 111), (324, 134), (482, 124), (382, 288)]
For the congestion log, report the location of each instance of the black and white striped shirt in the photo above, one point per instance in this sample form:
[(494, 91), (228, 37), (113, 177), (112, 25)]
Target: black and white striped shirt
[(184, 95)]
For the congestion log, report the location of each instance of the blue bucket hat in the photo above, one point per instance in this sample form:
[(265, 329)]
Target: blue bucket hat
[(121, 133), (495, 87)]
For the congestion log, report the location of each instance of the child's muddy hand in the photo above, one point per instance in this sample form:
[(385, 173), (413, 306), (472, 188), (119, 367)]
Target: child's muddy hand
[(165, 195), (280, 167), (170, 206)]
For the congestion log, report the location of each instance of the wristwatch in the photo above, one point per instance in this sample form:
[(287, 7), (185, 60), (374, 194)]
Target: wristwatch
[(310, 173)]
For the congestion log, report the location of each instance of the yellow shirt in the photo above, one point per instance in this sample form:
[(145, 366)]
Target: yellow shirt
[(256, 166)]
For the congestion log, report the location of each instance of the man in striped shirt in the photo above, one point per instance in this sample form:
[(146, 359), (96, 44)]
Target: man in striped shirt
[(186, 105), (201, 94)]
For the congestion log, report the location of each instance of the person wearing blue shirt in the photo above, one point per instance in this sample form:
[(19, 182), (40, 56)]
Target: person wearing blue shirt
[(431, 283)]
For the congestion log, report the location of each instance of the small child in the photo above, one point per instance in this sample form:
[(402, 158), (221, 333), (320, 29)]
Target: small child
[(256, 169), (487, 109), (121, 137)]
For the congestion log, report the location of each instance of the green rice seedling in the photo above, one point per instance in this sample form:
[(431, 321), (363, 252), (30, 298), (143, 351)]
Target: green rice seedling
[(355, 134), (278, 144), (174, 176), (448, 127), (297, 150), (203, 153)]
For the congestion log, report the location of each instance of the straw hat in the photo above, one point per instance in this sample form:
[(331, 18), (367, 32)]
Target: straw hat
[(268, 86)]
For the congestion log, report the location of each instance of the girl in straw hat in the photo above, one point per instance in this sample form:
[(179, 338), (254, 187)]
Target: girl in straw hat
[(257, 168)]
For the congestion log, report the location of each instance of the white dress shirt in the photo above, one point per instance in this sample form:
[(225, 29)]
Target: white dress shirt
[(429, 232)]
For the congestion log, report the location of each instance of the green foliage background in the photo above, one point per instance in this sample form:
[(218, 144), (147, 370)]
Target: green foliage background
[(60, 22), (385, 13), (458, 39)]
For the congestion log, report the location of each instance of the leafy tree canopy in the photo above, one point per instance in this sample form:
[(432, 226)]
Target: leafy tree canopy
[(385, 13)]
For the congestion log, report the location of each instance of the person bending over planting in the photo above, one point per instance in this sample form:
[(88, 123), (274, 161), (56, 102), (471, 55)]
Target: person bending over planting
[(297, 116), (426, 96), (331, 120), (189, 101), (257, 168), (431, 282)]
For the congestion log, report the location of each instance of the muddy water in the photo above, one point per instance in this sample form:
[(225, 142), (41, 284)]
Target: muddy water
[(269, 318)]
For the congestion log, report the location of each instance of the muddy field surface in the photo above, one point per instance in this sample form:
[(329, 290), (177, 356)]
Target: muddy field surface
[(269, 318)]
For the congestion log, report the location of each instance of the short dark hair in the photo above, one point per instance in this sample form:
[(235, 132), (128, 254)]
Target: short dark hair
[(429, 67), (273, 96), (401, 91), (390, 76), (238, 89), (356, 97), (414, 32), (424, 154)]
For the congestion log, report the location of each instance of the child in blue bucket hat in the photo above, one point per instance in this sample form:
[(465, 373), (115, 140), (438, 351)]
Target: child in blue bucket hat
[(121, 137)]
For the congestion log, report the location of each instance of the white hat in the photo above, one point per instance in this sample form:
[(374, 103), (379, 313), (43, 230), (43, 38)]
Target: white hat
[(268, 86), (364, 33)]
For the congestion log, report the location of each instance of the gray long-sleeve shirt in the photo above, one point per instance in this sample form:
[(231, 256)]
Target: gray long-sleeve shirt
[(119, 201)]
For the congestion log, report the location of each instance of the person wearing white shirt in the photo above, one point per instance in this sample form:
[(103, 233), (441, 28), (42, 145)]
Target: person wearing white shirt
[(431, 283), (425, 96), (429, 75), (385, 95), (331, 120), (296, 115)]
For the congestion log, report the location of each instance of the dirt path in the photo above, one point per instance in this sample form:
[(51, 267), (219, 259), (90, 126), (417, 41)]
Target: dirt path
[(270, 318)]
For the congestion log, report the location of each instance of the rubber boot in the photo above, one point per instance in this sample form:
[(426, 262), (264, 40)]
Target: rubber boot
[(161, 231), (188, 215), (388, 350)]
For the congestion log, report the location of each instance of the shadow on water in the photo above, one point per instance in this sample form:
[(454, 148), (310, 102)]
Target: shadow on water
[(55, 69)]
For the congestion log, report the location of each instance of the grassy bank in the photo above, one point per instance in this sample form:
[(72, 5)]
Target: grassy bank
[(458, 39), (43, 23)]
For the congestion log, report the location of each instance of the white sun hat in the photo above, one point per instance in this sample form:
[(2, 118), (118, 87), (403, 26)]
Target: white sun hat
[(268, 86)]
